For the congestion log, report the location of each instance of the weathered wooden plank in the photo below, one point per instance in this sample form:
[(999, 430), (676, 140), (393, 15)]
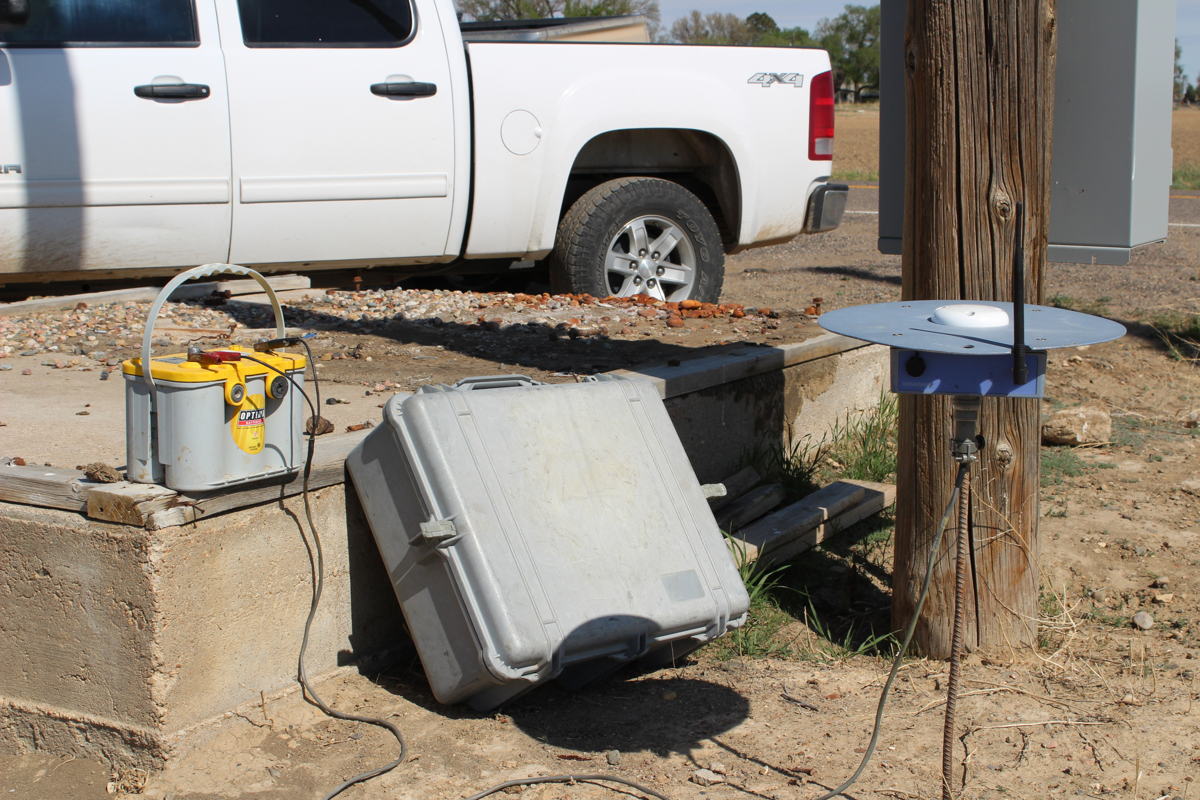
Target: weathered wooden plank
[(804, 524), (750, 506), (50, 487), (279, 283), (736, 485), (147, 293), (875, 499), (128, 503), (156, 507), (789, 522)]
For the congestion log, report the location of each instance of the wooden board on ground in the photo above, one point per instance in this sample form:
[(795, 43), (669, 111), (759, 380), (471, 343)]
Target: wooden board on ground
[(147, 293), (49, 487), (156, 507), (736, 485), (802, 525), (750, 506)]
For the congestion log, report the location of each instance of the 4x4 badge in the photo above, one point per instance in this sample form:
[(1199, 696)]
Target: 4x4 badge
[(768, 79)]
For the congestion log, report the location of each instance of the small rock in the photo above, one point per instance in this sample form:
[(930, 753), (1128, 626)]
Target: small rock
[(719, 768), (674, 322), (1129, 700), (706, 777), (1142, 620), (1191, 487), (27, 371), (104, 376), (1192, 419), (1161, 582), (613, 757), (1164, 598), (100, 472), (361, 426), (82, 413), (1079, 425), (5, 367), (318, 426), (334, 401)]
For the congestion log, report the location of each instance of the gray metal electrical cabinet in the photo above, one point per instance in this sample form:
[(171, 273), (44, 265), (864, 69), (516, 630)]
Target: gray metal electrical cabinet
[(1111, 171)]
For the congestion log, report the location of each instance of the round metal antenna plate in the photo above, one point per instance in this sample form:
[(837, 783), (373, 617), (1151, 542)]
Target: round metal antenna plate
[(927, 325)]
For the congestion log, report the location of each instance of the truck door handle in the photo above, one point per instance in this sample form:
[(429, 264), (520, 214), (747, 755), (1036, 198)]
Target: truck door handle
[(405, 89), (172, 91)]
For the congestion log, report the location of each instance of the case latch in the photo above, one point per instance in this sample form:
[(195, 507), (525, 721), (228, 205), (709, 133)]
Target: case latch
[(437, 531)]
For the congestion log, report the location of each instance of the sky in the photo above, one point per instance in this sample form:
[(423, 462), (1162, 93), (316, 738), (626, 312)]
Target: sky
[(807, 13)]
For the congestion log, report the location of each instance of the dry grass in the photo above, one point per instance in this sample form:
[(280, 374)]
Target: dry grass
[(857, 153), (1185, 142), (856, 148)]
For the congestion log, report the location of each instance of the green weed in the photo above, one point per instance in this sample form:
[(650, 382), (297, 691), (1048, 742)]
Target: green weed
[(759, 636), (1097, 307), (1060, 463), (861, 445), (795, 469), (1106, 617), (1179, 333), (848, 644), (1186, 176), (1050, 608)]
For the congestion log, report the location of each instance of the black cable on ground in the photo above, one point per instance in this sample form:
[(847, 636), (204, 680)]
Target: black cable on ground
[(318, 587), (318, 557), (568, 779), (908, 634)]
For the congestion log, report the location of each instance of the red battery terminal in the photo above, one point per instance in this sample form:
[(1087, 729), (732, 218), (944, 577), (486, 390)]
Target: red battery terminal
[(213, 356)]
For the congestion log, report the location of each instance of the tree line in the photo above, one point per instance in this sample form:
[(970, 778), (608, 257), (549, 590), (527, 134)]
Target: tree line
[(852, 37)]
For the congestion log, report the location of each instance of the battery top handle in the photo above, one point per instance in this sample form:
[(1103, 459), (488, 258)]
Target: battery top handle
[(203, 271)]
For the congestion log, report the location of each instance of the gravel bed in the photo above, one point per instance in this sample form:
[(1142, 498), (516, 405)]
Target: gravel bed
[(101, 336)]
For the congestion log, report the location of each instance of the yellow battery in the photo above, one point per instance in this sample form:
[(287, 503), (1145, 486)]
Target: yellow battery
[(214, 422)]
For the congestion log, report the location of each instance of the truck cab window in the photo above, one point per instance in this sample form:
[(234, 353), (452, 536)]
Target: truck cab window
[(326, 23), (106, 23)]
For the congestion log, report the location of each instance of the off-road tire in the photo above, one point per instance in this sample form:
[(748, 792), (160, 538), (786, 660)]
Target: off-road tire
[(578, 261)]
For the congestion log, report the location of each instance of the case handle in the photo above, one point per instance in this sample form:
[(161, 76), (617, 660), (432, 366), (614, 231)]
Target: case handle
[(203, 271), (495, 382)]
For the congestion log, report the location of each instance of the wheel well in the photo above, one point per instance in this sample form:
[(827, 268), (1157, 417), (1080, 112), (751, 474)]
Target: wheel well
[(698, 161)]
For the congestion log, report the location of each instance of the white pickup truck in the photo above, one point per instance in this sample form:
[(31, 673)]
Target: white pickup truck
[(328, 134)]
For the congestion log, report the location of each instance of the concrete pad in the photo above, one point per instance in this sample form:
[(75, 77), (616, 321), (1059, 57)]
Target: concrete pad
[(121, 640), (132, 644)]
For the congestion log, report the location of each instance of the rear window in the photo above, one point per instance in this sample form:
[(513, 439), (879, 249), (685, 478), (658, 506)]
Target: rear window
[(106, 23), (326, 23)]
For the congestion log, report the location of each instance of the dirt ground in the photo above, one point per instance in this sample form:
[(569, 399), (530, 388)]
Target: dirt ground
[(1099, 710)]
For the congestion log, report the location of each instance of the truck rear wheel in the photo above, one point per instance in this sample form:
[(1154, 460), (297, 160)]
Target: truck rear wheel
[(633, 236)]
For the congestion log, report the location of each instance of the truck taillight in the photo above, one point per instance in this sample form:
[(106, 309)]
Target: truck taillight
[(820, 118)]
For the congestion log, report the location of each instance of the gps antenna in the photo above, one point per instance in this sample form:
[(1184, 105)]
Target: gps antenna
[(1020, 371)]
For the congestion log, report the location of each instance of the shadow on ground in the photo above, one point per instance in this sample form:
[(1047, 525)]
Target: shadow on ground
[(835, 588), (534, 345)]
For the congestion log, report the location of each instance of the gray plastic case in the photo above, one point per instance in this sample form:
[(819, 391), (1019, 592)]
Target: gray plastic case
[(533, 531)]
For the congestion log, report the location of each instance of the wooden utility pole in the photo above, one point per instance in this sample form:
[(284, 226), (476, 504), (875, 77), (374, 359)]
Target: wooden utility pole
[(980, 96)]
